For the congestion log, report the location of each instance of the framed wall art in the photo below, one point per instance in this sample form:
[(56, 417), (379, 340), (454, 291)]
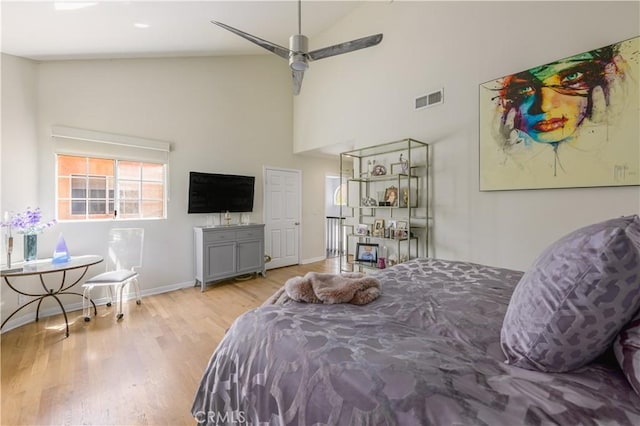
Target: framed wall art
[(566, 124)]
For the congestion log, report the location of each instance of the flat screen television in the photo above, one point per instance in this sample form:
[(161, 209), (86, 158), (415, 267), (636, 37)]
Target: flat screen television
[(219, 193)]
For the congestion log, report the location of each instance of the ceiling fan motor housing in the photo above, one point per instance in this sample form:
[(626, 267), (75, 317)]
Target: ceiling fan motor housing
[(299, 46)]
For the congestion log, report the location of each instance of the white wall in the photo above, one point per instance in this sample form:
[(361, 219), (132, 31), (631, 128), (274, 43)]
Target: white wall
[(19, 171), (228, 115), (368, 95), (19, 174)]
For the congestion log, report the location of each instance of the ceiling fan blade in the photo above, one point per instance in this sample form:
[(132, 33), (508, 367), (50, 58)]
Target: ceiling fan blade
[(283, 52), (297, 81), (348, 46)]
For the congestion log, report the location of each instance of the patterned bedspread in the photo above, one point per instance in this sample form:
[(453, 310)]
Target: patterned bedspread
[(426, 352)]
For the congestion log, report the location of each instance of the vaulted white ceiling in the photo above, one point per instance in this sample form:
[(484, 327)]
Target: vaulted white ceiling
[(47, 30)]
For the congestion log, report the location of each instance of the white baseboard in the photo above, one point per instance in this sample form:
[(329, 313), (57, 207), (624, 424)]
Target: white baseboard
[(71, 307), (313, 259)]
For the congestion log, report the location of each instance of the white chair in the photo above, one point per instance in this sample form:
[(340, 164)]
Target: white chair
[(123, 259)]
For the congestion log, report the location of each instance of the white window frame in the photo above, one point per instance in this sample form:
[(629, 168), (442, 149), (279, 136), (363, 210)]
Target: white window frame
[(92, 144)]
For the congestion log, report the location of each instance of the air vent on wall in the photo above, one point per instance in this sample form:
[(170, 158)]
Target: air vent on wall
[(430, 99)]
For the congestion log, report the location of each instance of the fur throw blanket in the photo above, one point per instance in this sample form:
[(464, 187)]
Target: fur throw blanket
[(315, 287)]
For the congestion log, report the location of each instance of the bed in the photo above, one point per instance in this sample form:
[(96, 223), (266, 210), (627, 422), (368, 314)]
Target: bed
[(428, 351)]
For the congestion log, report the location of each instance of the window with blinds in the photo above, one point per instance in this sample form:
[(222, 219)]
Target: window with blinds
[(102, 176)]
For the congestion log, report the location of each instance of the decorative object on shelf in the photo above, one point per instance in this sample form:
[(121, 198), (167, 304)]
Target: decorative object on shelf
[(60, 253), (369, 202), (366, 252), (227, 218), (381, 263), (27, 223), (381, 258), (370, 167), (362, 229), (404, 165), (379, 170), (391, 196), (405, 197)]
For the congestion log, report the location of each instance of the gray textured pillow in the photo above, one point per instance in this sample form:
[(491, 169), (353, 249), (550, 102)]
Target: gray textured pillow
[(627, 350), (570, 305)]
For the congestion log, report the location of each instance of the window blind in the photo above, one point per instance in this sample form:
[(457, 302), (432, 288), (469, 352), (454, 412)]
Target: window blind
[(70, 141)]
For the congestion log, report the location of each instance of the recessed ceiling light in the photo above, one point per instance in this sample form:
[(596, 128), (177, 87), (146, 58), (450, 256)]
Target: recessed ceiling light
[(140, 25), (72, 5)]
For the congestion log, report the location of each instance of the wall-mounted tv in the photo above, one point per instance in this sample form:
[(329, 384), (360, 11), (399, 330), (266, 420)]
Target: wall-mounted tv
[(219, 193)]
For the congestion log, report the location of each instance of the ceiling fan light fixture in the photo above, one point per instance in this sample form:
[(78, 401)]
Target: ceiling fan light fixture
[(298, 46), (298, 62)]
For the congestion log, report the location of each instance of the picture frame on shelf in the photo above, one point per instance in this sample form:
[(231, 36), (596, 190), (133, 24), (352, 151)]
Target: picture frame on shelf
[(401, 234), (378, 228), (362, 229), (391, 196), (401, 229), (367, 252)]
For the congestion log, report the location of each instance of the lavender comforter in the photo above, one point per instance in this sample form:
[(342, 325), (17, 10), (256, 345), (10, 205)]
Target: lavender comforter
[(426, 352)]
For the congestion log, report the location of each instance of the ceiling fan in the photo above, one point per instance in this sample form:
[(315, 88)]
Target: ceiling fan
[(298, 53)]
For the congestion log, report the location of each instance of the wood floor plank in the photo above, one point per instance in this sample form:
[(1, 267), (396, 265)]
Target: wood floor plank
[(142, 370)]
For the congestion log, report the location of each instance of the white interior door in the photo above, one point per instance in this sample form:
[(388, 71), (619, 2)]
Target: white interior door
[(282, 216)]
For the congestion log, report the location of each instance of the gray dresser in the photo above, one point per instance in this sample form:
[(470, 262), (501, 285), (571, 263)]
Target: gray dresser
[(227, 251)]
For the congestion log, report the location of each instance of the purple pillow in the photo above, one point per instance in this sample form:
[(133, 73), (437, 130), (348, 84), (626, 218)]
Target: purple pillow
[(627, 350), (570, 305)]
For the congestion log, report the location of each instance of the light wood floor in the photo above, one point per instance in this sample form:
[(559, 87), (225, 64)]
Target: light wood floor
[(142, 370)]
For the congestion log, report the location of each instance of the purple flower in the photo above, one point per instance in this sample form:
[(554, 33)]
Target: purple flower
[(28, 222)]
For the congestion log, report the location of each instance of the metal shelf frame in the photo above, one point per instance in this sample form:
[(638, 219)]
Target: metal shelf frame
[(365, 192)]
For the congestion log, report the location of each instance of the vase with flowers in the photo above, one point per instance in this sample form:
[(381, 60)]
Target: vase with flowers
[(29, 223)]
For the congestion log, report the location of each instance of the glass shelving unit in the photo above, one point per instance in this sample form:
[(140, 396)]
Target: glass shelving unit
[(387, 202)]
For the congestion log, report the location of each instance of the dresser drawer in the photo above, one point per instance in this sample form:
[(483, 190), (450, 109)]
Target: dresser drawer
[(212, 237), (250, 234)]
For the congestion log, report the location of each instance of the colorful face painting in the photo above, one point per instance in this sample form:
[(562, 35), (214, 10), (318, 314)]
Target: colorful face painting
[(569, 123)]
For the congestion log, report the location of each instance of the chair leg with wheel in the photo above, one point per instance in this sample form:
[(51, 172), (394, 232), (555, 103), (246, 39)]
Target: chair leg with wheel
[(110, 291), (119, 291), (136, 288), (86, 307)]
